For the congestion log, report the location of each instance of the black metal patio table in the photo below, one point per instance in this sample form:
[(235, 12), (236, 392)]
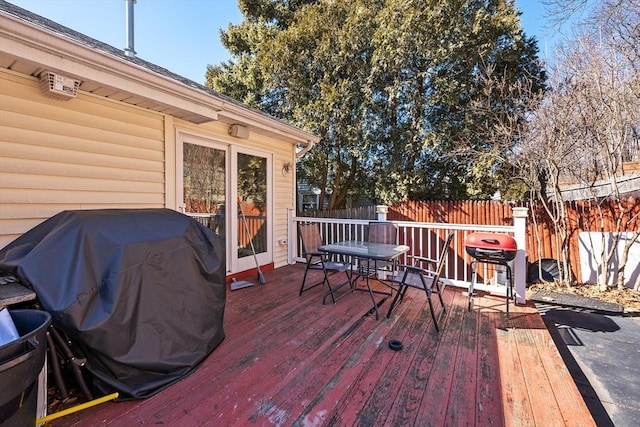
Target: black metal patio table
[(359, 250)]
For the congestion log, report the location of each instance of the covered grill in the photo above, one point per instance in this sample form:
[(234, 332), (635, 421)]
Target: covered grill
[(491, 248), (141, 292)]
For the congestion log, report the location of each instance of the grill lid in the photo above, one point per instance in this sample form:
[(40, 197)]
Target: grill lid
[(491, 241), (491, 246)]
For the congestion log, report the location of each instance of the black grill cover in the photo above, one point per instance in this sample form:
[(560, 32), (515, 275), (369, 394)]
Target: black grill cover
[(142, 292)]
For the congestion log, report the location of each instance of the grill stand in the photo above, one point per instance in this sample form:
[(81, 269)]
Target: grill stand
[(474, 265)]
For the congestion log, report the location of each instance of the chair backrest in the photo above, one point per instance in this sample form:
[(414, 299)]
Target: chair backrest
[(383, 232), (443, 254), (309, 233), (417, 277)]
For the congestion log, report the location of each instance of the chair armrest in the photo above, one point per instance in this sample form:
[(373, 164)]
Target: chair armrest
[(412, 268), (416, 269), (423, 259)]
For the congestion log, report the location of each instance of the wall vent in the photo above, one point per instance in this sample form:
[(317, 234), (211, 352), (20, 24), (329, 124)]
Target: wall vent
[(58, 86)]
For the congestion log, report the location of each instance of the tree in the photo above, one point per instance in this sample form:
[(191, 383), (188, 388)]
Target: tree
[(317, 61), (243, 78), (387, 85), (432, 75), (584, 129)]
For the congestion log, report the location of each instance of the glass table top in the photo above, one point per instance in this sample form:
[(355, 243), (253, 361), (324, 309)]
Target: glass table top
[(383, 251)]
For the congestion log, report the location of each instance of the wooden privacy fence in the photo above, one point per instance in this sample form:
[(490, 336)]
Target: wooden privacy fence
[(360, 212), (542, 239)]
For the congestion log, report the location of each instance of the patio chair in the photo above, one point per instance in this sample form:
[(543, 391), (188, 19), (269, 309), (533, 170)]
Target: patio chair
[(317, 260), (427, 279), (380, 232)]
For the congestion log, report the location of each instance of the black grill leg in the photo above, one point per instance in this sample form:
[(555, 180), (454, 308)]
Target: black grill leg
[(474, 265)]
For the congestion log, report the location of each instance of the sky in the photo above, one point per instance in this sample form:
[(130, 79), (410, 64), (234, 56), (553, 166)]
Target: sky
[(183, 36)]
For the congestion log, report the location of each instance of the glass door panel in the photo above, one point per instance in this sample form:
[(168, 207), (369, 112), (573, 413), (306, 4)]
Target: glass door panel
[(204, 185), (252, 200), (253, 209)]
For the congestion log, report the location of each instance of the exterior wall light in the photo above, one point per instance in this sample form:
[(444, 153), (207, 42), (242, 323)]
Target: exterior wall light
[(239, 131), (286, 168)]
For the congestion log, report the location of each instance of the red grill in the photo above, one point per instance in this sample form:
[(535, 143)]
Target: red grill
[(491, 247)]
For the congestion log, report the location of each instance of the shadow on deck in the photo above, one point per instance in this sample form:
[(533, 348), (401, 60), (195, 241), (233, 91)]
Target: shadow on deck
[(289, 360)]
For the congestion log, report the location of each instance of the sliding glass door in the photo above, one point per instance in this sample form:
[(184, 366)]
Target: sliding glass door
[(228, 189)]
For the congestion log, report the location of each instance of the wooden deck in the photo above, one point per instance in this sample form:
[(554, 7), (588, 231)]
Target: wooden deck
[(289, 360)]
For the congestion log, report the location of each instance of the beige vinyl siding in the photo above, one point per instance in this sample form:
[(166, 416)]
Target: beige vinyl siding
[(283, 193), (85, 153), (96, 153)]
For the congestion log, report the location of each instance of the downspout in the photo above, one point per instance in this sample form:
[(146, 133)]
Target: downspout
[(304, 151), (299, 155), (129, 50)]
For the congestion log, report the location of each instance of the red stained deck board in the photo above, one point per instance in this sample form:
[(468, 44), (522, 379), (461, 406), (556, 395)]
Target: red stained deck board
[(290, 360), (488, 391), (234, 361), (536, 382), (440, 381), (371, 378), (306, 396), (517, 407), (327, 406), (284, 391), (268, 353), (301, 395), (571, 406), (463, 399), (387, 368), (411, 390)]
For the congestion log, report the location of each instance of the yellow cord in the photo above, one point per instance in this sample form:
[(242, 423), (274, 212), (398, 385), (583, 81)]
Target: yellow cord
[(80, 407)]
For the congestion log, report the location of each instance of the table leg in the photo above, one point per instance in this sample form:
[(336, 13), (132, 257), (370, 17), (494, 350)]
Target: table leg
[(373, 298)]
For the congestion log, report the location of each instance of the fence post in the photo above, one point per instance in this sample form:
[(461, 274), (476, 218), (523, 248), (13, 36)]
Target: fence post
[(520, 263), (381, 212)]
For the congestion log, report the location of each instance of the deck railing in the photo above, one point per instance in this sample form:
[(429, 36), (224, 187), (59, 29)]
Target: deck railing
[(426, 239), (256, 233)]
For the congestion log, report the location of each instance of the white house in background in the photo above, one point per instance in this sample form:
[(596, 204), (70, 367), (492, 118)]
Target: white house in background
[(83, 125)]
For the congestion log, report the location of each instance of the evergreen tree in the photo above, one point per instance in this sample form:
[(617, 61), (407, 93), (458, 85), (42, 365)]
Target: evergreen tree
[(388, 86)]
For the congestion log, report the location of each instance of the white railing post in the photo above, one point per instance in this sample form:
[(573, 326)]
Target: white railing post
[(292, 237), (520, 263), (381, 211)]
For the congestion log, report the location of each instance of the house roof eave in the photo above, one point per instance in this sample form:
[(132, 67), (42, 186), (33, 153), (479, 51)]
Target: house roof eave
[(25, 42), (32, 44)]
